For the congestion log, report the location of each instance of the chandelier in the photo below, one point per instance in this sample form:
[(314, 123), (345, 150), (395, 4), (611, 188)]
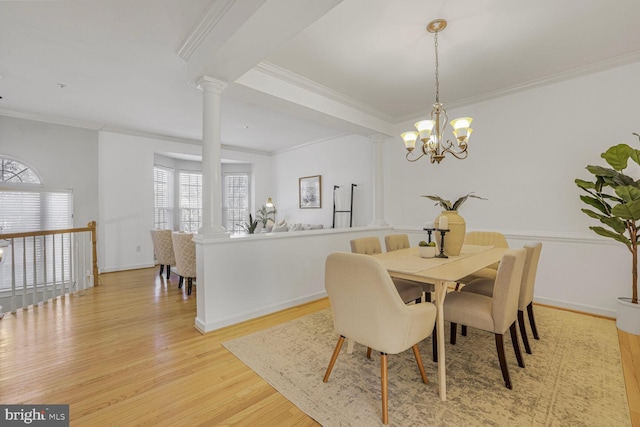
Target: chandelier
[(430, 131)]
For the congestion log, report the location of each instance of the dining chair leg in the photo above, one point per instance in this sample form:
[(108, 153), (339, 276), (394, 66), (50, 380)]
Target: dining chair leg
[(516, 344), (454, 327), (168, 271), (503, 361), (463, 330), (423, 374), (189, 285), (161, 269), (434, 343), (368, 352), (385, 388), (333, 358), (532, 321), (523, 332), (180, 282)]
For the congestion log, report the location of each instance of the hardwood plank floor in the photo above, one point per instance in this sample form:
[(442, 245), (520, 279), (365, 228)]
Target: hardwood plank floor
[(127, 353)]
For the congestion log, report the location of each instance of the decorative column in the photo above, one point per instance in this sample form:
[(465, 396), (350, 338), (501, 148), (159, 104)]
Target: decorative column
[(211, 158), (378, 182)]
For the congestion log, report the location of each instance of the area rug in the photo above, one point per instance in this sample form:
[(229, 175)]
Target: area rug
[(573, 378)]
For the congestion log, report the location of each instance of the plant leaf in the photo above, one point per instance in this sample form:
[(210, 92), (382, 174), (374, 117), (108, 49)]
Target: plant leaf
[(618, 156), (628, 193), (629, 211), (585, 185), (615, 236), (597, 203)]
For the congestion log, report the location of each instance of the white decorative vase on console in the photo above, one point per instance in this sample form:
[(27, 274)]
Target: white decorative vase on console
[(454, 238)]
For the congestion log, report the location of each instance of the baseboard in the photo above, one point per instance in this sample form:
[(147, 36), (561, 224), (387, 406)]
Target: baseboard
[(581, 308), (126, 267), (241, 317)]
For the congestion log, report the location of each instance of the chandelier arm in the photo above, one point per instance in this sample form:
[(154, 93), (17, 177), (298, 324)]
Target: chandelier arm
[(461, 154), (414, 160)]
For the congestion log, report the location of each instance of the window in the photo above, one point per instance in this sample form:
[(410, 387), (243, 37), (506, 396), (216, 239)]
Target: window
[(163, 198), (235, 201), (15, 172), (190, 201), (25, 207)]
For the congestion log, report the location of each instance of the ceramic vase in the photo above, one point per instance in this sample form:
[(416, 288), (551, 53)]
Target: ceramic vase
[(454, 238)]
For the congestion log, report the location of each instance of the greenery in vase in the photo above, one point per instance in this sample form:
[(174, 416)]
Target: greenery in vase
[(423, 243), (265, 214), (615, 196), (448, 206), (250, 227)]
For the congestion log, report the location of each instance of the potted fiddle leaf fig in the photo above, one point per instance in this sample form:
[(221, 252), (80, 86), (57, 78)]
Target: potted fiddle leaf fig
[(614, 200)]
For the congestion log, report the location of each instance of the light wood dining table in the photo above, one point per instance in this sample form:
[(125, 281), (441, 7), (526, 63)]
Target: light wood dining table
[(407, 264)]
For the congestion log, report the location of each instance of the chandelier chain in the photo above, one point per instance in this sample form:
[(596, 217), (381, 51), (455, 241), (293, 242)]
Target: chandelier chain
[(437, 72)]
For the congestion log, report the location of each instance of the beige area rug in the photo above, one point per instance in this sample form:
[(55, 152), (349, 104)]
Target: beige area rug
[(573, 378)]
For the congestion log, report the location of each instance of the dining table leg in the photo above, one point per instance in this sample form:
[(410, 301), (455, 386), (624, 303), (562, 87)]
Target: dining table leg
[(441, 291)]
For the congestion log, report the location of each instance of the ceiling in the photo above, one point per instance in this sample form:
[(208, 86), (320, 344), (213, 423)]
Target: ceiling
[(299, 71)]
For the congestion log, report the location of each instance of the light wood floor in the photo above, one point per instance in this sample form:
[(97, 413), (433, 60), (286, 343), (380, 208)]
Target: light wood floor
[(126, 353)]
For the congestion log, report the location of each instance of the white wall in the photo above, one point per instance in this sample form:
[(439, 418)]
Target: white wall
[(126, 194), (341, 161), (65, 157), (525, 152)]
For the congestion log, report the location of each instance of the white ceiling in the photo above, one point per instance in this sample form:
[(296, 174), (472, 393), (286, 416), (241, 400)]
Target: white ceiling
[(127, 64)]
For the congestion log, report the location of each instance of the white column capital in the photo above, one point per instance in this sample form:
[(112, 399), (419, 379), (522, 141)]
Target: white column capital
[(378, 137), (210, 84)]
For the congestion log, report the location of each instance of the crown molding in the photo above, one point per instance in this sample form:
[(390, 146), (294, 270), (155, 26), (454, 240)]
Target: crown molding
[(574, 73), (314, 87), (38, 117), (212, 16)]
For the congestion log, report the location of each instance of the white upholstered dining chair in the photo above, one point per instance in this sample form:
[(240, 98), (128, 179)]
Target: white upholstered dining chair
[(185, 251), (394, 242), (495, 314), (525, 299), (367, 308), (484, 238), (408, 290), (163, 249)]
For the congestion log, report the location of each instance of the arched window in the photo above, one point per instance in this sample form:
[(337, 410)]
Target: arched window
[(13, 171)]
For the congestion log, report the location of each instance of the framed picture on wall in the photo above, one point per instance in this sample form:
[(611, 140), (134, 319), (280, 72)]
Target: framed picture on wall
[(310, 192)]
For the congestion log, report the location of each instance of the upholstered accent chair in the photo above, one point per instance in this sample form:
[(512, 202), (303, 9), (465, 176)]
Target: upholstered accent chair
[(185, 251), (495, 314), (394, 242), (527, 286), (367, 307), (484, 238), (408, 290), (163, 249)]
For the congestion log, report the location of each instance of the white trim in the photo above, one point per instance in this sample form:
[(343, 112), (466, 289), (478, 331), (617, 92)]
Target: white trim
[(248, 315)]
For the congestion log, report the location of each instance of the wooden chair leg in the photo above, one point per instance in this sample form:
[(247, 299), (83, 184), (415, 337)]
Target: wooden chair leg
[(385, 388), (463, 330), (454, 327), (423, 374), (368, 352), (532, 321), (333, 358), (189, 285), (168, 272), (161, 269), (457, 286), (523, 332), (516, 344), (503, 361), (180, 282)]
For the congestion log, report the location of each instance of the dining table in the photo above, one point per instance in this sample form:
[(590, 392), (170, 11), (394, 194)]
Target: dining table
[(408, 264)]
